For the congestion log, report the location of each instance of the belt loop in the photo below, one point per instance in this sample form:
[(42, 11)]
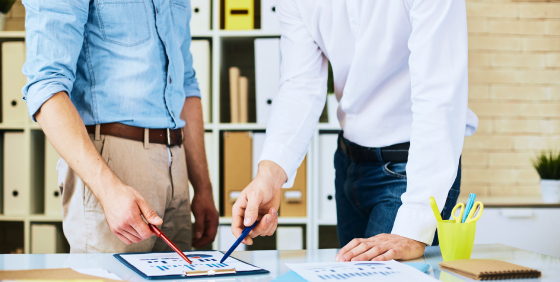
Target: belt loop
[(168, 138), (97, 132), (146, 138), (379, 156)]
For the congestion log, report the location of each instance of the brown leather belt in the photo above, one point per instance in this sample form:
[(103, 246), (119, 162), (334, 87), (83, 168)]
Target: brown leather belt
[(169, 137)]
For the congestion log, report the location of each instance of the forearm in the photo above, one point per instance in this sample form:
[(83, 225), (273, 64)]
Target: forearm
[(194, 145), (65, 129)]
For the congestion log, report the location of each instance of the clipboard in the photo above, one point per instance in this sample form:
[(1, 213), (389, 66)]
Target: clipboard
[(199, 274)]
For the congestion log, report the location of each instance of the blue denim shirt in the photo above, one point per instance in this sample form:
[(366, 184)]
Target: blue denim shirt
[(124, 61)]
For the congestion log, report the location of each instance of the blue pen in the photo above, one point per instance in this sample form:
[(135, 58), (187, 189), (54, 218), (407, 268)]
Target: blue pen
[(468, 208), (234, 246)]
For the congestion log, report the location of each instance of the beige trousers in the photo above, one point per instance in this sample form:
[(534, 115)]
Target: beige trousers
[(158, 174)]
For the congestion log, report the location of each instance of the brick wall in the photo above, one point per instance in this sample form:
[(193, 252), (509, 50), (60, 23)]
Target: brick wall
[(514, 88)]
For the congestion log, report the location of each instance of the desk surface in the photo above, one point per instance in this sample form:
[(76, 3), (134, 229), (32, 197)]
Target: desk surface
[(275, 261)]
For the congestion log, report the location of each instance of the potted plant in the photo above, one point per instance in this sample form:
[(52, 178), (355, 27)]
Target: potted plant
[(5, 6), (547, 165)]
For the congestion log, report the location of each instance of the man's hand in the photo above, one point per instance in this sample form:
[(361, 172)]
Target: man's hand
[(206, 218), (259, 201), (381, 247), (123, 207)]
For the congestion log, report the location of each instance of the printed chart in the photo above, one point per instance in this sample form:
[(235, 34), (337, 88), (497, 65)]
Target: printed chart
[(359, 271), (163, 264)]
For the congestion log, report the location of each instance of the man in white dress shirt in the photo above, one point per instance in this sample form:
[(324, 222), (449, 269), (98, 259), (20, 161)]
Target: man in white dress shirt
[(400, 74)]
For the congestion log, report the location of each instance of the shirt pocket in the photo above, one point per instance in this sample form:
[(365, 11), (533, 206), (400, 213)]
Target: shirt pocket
[(181, 16), (124, 22)]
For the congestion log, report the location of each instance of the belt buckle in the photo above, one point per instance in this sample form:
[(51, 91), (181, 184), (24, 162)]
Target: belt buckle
[(168, 137)]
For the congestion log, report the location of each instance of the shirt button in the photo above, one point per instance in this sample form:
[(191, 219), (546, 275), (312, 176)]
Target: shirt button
[(157, 11), (170, 81)]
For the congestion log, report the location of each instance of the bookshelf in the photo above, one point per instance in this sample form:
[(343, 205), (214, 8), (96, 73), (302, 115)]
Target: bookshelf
[(219, 40)]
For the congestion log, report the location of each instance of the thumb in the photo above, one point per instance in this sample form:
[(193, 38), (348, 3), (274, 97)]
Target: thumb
[(149, 214), (198, 227), (252, 210)]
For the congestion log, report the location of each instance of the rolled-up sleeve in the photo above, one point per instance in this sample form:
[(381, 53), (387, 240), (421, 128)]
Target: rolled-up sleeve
[(438, 72), (54, 39)]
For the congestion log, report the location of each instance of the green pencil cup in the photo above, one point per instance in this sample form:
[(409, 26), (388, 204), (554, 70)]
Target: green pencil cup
[(456, 240)]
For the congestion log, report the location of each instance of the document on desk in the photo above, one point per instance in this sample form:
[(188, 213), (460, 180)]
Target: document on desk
[(359, 271), (151, 265)]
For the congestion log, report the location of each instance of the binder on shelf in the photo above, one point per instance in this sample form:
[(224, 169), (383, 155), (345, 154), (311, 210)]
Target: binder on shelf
[(209, 147), (327, 203), (200, 11), (14, 109), (200, 50), (243, 99), (289, 238), (258, 143), (332, 109), (226, 239), (47, 239), (237, 166), (267, 75), (53, 197), (269, 17), (234, 94), (294, 200), (16, 190), (239, 14)]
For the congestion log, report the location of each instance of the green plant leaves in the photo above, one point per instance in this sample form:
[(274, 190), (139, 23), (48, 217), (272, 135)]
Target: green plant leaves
[(547, 164)]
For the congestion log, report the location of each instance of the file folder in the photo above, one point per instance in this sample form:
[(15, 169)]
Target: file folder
[(209, 147), (226, 239), (239, 14), (269, 16), (200, 19), (14, 109), (267, 75), (294, 200), (237, 166), (258, 143), (234, 74), (289, 238), (47, 239), (53, 195), (327, 203), (16, 189), (200, 50)]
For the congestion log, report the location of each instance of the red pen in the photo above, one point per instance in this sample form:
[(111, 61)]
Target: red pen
[(168, 242)]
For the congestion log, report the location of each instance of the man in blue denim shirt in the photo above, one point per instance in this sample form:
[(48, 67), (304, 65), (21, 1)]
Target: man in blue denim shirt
[(112, 86)]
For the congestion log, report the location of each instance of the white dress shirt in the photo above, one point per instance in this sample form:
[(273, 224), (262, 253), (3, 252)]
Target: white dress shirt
[(400, 74)]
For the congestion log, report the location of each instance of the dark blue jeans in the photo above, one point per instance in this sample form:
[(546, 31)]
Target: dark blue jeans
[(368, 196)]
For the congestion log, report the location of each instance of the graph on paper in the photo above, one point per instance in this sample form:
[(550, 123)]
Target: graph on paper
[(164, 264), (358, 271)]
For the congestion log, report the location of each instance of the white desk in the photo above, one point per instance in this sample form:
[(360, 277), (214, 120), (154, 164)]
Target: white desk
[(274, 261)]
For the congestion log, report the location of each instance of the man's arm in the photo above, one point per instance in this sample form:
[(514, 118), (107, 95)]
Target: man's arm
[(203, 207), (293, 119), (54, 38), (439, 81), (122, 205)]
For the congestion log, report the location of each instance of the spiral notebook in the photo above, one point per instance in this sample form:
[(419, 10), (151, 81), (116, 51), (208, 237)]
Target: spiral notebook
[(489, 269)]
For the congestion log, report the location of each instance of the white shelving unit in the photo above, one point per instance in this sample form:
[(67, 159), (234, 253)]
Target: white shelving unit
[(216, 37)]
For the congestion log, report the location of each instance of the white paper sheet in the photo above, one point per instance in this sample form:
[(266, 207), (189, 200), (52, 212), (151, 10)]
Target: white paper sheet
[(359, 271), (163, 264), (99, 272)]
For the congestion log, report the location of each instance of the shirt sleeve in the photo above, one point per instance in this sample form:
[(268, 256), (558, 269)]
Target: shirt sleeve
[(301, 97), (190, 83), (54, 38), (439, 81)]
